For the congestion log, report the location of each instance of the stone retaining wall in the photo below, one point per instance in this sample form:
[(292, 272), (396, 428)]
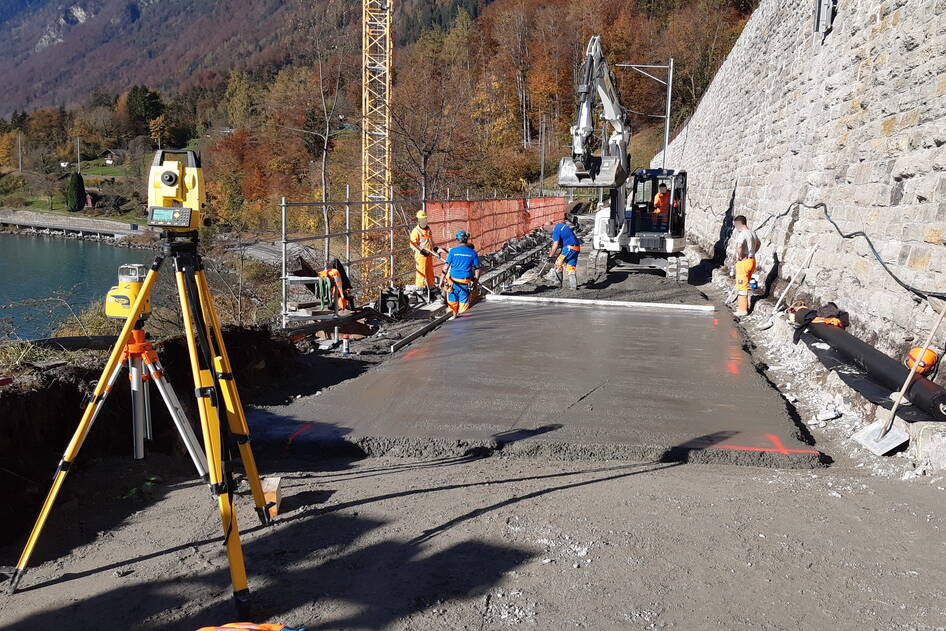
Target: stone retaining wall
[(855, 119)]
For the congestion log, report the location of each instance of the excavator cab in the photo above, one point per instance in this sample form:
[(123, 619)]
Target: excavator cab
[(653, 211)]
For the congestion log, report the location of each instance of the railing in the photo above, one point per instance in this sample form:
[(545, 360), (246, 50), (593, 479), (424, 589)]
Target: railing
[(491, 222)]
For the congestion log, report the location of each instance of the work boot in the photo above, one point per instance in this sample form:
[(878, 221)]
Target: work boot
[(572, 280), (743, 307), (558, 277)]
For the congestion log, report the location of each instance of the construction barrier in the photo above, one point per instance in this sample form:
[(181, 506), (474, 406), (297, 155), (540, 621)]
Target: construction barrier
[(491, 222)]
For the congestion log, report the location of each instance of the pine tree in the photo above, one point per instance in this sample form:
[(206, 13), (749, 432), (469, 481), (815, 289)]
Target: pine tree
[(75, 193)]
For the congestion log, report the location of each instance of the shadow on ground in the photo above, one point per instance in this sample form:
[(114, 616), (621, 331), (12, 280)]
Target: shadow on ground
[(312, 561)]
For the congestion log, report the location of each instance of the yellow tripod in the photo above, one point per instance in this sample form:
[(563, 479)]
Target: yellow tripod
[(222, 418)]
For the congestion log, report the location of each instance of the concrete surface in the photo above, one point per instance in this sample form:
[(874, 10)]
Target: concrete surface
[(558, 380)]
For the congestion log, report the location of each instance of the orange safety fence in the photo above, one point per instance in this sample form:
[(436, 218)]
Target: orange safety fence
[(491, 222)]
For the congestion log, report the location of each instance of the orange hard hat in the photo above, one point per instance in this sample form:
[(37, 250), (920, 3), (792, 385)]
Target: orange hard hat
[(926, 362)]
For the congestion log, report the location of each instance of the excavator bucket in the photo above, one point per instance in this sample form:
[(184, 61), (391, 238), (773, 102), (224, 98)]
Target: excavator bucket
[(599, 172)]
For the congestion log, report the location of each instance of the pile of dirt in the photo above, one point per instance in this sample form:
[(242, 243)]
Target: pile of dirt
[(619, 285), (40, 414)]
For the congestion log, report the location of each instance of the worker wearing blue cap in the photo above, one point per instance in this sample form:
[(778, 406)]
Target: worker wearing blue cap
[(565, 241), (462, 273)]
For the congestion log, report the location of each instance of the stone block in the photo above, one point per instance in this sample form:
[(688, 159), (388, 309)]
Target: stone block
[(928, 443)]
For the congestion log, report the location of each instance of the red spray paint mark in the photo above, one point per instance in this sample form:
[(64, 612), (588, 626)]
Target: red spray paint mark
[(302, 429), (412, 352), (716, 322), (732, 367), (777, 447)]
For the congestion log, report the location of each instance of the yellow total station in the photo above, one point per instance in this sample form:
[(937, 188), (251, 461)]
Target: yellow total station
[(121, 297), (176, 191), (175, 200)]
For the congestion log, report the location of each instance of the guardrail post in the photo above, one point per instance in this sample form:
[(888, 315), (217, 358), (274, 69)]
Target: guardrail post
[(285, 278)]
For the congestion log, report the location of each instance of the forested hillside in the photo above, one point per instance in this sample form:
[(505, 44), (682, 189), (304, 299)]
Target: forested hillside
[(270, 91)]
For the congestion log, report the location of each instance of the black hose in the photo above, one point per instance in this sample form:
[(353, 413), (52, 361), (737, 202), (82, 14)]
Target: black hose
[(922, 293)]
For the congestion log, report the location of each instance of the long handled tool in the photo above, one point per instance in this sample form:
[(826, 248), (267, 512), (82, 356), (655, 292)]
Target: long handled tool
[(879, 437), (771, 319)]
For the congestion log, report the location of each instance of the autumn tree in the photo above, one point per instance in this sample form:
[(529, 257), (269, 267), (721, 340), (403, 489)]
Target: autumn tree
[(8, 149), (431, 125), (143, 105), (158, 129), (241, 101)]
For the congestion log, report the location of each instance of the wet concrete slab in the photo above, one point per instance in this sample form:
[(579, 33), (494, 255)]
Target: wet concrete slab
[(559, 380)]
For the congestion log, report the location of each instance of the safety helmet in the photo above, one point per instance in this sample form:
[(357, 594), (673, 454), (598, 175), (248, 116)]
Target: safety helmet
[(422, 214), (462, 235), (927, 362)]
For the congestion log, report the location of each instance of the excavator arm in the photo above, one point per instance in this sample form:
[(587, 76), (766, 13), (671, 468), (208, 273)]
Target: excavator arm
[(583, 168)]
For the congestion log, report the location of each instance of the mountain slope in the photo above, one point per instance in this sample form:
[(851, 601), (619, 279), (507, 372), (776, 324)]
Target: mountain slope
[(52, 54), (59, 53)]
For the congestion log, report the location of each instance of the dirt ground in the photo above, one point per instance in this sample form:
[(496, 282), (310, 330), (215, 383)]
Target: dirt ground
[(478, 543), (466, 543)]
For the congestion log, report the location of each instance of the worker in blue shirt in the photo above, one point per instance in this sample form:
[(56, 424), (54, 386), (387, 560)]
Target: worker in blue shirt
[(461, 274), (565, 241)]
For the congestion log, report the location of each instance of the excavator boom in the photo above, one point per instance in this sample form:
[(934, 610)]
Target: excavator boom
[(583, 168)]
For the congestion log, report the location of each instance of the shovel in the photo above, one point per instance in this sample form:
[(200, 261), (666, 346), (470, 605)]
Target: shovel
[(771, 319), (879, 437)]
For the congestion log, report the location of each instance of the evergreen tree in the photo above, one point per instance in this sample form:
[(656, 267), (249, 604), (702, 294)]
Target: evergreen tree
[(144, 104), (75, 193)]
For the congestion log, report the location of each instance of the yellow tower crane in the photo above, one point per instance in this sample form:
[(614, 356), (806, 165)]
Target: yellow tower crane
[(376, 140)]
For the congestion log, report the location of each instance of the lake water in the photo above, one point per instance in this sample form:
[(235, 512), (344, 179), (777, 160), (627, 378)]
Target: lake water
[(32, 268)]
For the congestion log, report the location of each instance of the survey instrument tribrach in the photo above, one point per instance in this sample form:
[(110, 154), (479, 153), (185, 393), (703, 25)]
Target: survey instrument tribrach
[(176, 201)]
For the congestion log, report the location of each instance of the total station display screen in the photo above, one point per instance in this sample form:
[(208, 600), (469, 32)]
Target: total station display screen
[(164, 216)]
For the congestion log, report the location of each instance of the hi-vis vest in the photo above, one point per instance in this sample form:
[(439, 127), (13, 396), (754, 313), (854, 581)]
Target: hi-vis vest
[(422, 239)]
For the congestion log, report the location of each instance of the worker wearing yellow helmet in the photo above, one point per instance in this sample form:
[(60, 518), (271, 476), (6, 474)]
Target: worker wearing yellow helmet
[(422, 243)]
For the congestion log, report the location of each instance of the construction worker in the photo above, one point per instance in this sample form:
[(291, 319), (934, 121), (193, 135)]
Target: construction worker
[(747, 245), (422, 243), (565, 241), (461, 275), (341, 285), (661, 214)]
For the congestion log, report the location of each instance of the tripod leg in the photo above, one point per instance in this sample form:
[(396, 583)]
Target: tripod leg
[(180, 419), (146, 395), (236, 417), (221, 481), (138, 426), (102, 388)]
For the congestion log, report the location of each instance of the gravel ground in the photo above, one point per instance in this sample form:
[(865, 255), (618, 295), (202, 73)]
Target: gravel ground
[(462, 543)]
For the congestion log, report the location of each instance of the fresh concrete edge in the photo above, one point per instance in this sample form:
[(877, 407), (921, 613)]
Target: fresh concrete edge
[(421, 331), (599, 303), (470, 448)]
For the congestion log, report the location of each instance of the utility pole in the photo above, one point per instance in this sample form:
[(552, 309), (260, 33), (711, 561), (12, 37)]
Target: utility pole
[(642, 68), (19, 149), (78, 159), (663, 163)]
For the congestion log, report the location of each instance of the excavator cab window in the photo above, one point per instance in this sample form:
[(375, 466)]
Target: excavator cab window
[(646, 188)]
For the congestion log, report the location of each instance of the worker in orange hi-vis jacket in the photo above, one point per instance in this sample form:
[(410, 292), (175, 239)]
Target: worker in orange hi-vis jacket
[(422, 243)]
